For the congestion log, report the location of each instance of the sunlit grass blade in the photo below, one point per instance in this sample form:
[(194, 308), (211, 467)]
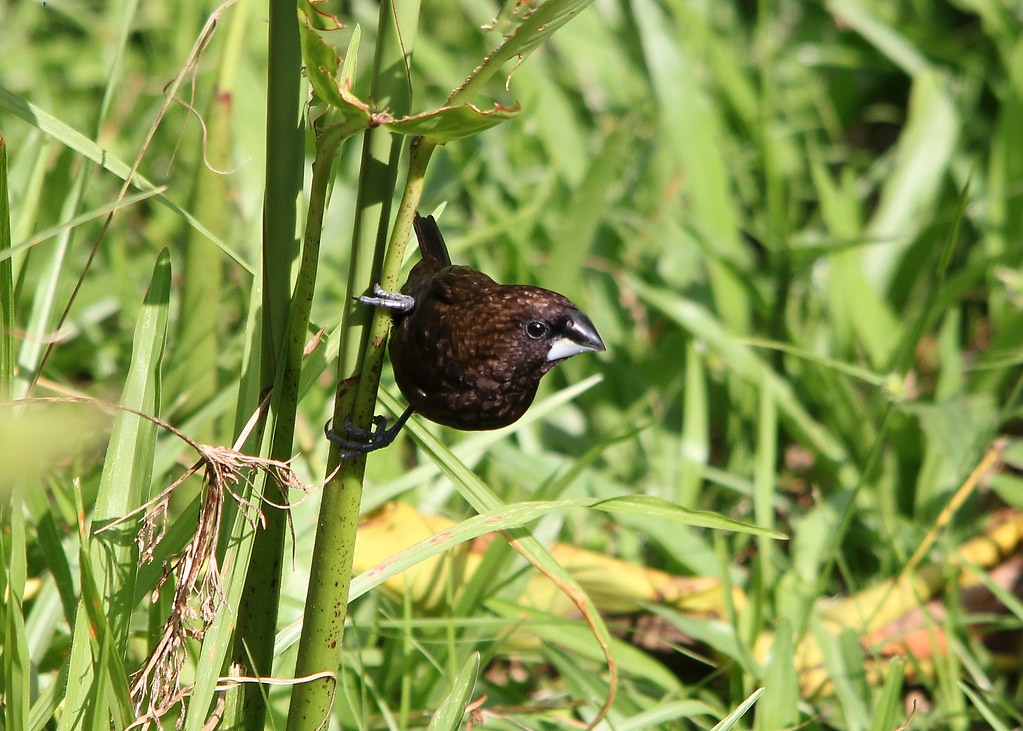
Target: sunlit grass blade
[(125, 484), (448, 716), (779, 707), (991, 718), (7, 349), (735, 716), (483, 500), (924, 151), (520, 514), (742, 361), (81, 144), (690, 121), (889, 709), (474, 446), (656, 717), (109, 696), (16, 664), (113, 207), (843, 657)]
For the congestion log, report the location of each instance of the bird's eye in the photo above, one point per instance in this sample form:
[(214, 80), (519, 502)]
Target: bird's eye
[(536, 329)]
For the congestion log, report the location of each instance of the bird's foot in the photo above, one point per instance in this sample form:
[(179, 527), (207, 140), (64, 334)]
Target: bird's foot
[(356, 440), (388, 300)]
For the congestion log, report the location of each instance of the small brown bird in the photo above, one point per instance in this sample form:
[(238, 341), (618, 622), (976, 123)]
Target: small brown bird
[(468, 352)]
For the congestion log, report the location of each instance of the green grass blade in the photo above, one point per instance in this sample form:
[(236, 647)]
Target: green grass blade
[(7, 349), (743, 362), (694, 141), (922, 158), (75, 140), (889, 708), (662, 713), (284, 314), (124, 485), (993, 721), (16, 665), (734, 717), (779, 707), (520, 514), (449, 715)]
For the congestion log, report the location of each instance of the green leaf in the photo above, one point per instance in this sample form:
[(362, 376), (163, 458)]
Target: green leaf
[(889, 706), (922, 159), (75, 140), (732, 718), (106, 655), (322, 65), (986, 710), (575, 642), (742, 360), (452, 123), (7, 303), (660, 714), (517, 515), (98, 212), (525, 28), (449, 715), (856, 16), (780, 707), (655, 507), (15, 664), (124, 485)]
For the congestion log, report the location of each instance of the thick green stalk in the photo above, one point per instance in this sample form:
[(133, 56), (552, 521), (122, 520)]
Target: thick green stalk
[(257, 613), (331, 569), (363, 333), (284, 164)]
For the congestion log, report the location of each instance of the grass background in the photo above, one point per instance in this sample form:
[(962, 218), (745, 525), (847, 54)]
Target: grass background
[(796, 225)]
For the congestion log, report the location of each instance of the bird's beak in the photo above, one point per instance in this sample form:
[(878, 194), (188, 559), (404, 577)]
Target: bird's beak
[(579, 337)]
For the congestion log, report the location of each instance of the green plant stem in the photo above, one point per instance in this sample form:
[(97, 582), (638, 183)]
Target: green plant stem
[(422, 151), (331, 569), (257, 614), (284, 162)]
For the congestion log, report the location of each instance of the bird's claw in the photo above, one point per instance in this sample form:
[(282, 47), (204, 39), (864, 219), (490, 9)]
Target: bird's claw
[(356, 440), (388, 300), (366, 435)]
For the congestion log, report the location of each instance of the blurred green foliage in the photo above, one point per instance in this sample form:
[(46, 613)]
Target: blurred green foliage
[(797, 225)]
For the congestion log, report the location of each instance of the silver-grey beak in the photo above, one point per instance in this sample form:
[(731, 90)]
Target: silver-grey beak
[(579, 337)]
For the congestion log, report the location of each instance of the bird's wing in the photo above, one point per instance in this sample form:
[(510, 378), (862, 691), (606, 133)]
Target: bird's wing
[(460, 285)]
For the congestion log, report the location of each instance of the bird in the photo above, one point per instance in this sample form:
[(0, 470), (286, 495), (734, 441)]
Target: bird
[(467, 352)]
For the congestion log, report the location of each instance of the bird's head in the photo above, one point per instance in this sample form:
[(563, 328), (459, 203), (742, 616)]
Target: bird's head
[(544, 328)]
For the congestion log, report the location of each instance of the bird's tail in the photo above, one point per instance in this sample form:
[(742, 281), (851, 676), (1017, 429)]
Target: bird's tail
[(431, 243)]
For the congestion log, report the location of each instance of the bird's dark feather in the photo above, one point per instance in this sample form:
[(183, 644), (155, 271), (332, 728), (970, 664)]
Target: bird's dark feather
[(431, 242), (461, 357)]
